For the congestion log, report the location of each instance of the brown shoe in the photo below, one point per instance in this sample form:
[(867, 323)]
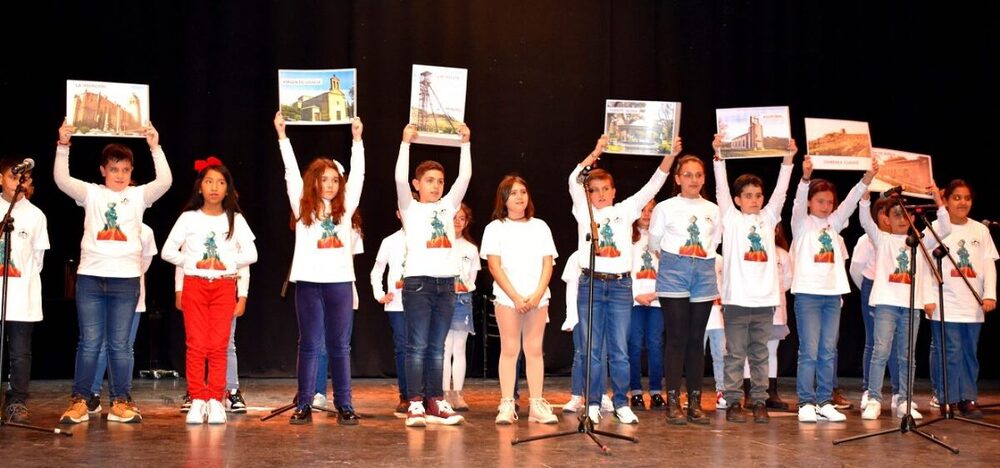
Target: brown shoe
[(839, 401), (77, 412), (969, 409), (121, 411), (760, 415)]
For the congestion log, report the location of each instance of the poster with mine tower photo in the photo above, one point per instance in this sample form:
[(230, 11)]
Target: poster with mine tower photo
[(437, 104)]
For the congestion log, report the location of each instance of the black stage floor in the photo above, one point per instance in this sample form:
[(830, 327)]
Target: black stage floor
[(162, 439)]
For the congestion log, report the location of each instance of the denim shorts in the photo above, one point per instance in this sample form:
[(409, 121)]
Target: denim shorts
[(686, 277), (462, 319)]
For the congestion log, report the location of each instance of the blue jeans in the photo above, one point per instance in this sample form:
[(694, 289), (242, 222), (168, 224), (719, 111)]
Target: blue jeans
[(716, 338), (646, 326), (397, 320), (960, 353), (891, 332), (818, 321), (428, 304), (105, 309), (868, 316), (325, 315), (612, 311), (102, 358)]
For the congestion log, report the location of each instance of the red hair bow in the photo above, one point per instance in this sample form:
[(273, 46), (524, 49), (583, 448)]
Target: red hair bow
[(202, 164)]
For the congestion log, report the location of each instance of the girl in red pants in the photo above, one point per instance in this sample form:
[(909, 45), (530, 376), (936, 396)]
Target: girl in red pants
[(210, 242)]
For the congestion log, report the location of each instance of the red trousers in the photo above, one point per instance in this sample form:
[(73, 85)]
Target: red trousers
[(208, 307)]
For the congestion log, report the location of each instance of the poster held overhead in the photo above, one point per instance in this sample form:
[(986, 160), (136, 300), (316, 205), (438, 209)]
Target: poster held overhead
[(101, 108), (843, 145), (318, 97), (753, 132), (641, 127), (910, 171), (437, 104)]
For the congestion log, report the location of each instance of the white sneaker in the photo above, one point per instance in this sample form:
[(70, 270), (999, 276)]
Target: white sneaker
[(607, 406), (505, 412), (720, 401), (895, 403), (626, 416), (319, 400), (864, 400), (216, 412), (901, 410), (934, 402), (540, 411), (197, 413), (594, 413), (573, 405), (807, 413), (829, 412), (872, 410), (415, 415)]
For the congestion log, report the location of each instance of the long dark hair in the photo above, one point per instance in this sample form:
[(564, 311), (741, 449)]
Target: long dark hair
[(230, 203), (311, 203), (503, 193)]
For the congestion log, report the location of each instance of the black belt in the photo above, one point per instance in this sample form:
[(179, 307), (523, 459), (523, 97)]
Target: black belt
[(605, 276)]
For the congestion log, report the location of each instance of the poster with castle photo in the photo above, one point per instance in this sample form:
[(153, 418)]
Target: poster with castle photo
[(753, 132), (437, 104), (641, 127), (911, 171), (844, 145), (100, 108), (318, 97)]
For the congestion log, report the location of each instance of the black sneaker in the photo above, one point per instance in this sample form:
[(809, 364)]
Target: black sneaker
[(16, 413), (657, 403), (637, 403), (347, 417), (186, 405), (302, 415), (94, 404), (236, 403)]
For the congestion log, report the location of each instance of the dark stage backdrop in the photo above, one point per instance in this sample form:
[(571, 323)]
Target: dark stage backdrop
[(539, 73)]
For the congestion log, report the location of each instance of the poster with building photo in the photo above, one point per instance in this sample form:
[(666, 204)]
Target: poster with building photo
[(641, 127), (100, 108), (911, 171), (753, 132), (437, 104), (318, 97), (844, 145)]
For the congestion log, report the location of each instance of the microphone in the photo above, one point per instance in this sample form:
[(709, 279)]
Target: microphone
[(582, 177), (920, 208), (893, 192), (25, 166), (991, 224)]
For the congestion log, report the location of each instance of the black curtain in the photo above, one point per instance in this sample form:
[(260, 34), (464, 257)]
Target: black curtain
[(539, 73)]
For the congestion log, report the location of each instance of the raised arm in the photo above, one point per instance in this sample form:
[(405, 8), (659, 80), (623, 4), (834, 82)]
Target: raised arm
[(403, 194), (722, 194), (867, 223), (155, 189), (352, 193), (777, 201), (293, 178), (461, 185), (75, 188), (577, 191), (800, 205), (841, 215)]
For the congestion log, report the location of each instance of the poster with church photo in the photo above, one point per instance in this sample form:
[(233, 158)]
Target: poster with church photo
[(844, 145), (318, 97), (437, 104), (911, 171), (753, 132), (100, 108), (641, 127)]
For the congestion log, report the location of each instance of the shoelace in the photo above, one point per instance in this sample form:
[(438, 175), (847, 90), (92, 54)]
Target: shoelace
[(542, 406), (444, 407), (416, 408), (508, 406)]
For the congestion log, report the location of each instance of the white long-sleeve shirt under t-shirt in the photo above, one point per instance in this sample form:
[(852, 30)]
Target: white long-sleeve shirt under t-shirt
[(323, 250), (430, 227), (571, 276), (522, 247), (469, 265), (785, 275), (198, 243), (893, 259), (816, 253), (391, 253), (149, 251), (613, 253), (972, 247), (715, 319), (110, 246), (685, 226), (748, 250), (644, 265), (862, 260), (29, 241)]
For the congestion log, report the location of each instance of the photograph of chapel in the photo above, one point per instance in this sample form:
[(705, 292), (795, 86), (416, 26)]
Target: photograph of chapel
[(318, 97), (753, 132), (107, 109)]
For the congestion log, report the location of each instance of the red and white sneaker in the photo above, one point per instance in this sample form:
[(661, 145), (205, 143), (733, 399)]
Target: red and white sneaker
[(415, 415), (440, 412)]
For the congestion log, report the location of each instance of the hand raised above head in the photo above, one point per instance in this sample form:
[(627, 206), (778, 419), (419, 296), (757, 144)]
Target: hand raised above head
[(152, 136), (465, 132), (409, 133), (357, 128), (65, 132)]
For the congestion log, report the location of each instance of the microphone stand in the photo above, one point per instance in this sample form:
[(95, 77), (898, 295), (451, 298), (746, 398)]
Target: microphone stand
[(947, 411), (907, 424), (8, 227), (586, 425)]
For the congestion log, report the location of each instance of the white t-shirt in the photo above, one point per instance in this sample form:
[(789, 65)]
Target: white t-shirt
[(148, 252), (715, 321), (571, 276), (198, 243), (644, 265), (685, 226), (522, 247), (29, 241), (390, 254), (862, 260), (613, 253), (785, 275), (972, 247), (816, 252), (468, 266), (323, 250)]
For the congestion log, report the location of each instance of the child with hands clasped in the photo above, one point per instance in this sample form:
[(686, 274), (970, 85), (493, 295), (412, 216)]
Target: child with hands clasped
[(750, 286), (211, 241)]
